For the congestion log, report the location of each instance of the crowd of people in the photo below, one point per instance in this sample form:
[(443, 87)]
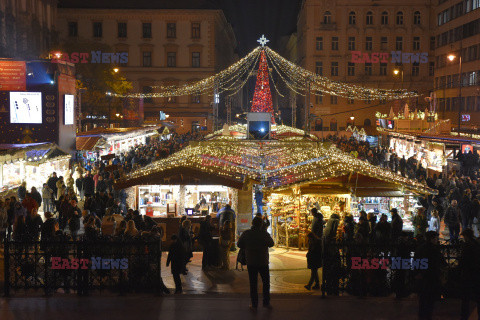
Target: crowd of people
[(457, 203), (104, 215)]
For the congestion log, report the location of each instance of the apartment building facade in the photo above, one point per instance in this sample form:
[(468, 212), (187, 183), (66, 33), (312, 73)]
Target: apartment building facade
[(340, 40), (27, 28), (164, 47), (457, 31)]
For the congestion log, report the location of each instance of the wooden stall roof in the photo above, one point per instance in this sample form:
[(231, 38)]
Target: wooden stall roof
[(180, 176), (279, 163)]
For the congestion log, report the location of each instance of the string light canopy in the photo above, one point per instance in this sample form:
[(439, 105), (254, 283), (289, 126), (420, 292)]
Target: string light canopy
[(277, 162), (298, 79)]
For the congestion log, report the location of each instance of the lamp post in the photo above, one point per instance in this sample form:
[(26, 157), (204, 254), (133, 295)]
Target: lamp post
[(397, 71), (452, 57)]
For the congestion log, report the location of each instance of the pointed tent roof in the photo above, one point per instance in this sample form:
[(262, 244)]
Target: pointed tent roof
[(285, 162)]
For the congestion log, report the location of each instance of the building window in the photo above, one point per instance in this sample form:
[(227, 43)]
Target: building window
[(368, 69), (171, 30), (319, 98), (333, 100), (399, 43), (73, 29), (383, 43), (327, 17), (415, 69), (124, 64), (97, 30), (369, 18), (431, 68), (195, 30), (368, 43), (417, 18), (334, 43), (196, 59), (146, 30), (171, 59), (351, 43), (350, 101), (334, 69), (416, 43), (399, 18), (333, 125), (352, 18), (351, 69), (319, 68), (384, 18), (319, 43), (147, 58), (383, 69), (432, 43), (147, 90), (122, 29)]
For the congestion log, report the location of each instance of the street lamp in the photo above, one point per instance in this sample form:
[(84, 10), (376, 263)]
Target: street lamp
[(397, 71), (452, 57), (116, 70)]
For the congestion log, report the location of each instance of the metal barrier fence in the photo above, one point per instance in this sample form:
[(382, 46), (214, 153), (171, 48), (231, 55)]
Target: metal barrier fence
[(338, 276), (82, 266)]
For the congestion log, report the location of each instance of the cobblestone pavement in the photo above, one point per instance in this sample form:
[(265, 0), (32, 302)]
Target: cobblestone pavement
[(288, 274), (215, 307)]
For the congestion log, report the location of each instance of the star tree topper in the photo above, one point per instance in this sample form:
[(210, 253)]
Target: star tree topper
[(263, 41)]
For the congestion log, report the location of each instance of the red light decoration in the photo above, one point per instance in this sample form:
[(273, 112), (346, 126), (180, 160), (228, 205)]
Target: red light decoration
[(262, 97)]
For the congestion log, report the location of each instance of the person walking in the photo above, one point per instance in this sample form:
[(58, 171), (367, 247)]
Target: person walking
[(469, 265), (314, 260), (434, 222), (429, 279), (22, 191), (397, 225), (317, 223), (205, 239), (47, 195), (256, 242), (79, 186), (176, 257), (452, 220), (420, 223)]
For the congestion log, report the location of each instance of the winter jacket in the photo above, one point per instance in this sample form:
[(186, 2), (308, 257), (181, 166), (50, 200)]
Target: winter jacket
[(452, 217), (256, 242), (397, 226), (176, 257)]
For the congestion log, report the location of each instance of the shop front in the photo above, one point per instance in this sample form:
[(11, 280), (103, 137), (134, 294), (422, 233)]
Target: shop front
[(32, 163)]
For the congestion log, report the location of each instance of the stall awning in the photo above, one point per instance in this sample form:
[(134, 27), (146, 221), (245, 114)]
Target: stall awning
[(181, 176), (87, 143)]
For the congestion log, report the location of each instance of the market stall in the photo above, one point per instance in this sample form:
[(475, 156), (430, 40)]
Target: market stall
[(32, 163), (295, 173)]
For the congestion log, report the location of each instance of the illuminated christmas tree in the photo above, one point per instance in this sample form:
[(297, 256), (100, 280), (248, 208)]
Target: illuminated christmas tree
[(262, 97)]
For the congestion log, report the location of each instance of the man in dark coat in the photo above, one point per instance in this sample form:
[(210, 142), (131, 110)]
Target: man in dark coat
[(383, 230), (52, 183), (256, 242), (469, 265), (317, 223), (89, 185), (397, 225), (452, 220), (429, 279), (205, 240), (176, 256)]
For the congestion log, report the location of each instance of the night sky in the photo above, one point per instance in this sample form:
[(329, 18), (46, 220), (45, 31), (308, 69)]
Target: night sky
[(252, 18)]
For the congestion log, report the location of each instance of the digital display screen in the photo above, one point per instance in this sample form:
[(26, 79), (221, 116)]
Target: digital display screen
[(259, 130), (466, 148), (69, 111), (25, 107)]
